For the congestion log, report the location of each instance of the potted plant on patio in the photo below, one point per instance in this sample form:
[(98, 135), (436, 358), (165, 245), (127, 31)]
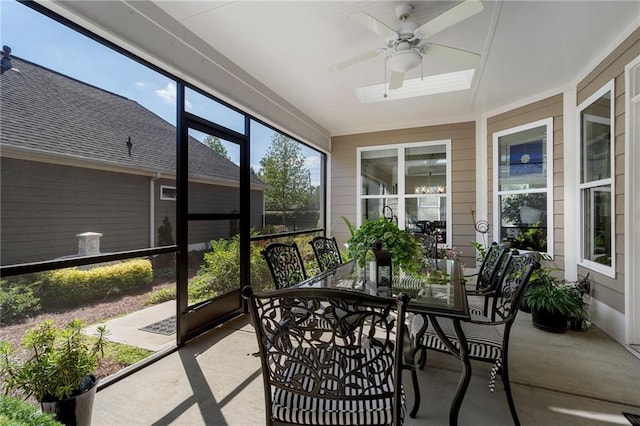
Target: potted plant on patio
[(56, 366), (552, 302), (406, 251)]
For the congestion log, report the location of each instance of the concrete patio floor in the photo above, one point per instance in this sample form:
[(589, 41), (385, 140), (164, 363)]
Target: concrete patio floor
[(578, 378)]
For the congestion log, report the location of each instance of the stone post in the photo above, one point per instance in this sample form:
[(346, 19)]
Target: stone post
[(88, 243)]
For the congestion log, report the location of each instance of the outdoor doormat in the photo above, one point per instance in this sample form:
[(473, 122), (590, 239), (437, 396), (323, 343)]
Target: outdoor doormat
[(166, 326), (634, 419)]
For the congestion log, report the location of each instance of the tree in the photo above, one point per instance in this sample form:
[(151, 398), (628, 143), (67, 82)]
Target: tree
[(282, 168), (214, 143)]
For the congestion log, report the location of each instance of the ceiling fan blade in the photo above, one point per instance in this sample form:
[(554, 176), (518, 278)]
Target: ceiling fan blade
[(457, 57), (397, 78), (459, 13), (373, 24), (355, 60)]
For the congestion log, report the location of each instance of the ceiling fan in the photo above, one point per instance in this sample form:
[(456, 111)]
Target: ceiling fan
[(406, 42)]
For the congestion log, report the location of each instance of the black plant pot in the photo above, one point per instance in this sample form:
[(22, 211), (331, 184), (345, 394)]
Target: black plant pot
[(551, 321), (77, 409)]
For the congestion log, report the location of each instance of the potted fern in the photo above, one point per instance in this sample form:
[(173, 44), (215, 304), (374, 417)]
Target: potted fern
[(406, 251), (56, 366), (553, 302)]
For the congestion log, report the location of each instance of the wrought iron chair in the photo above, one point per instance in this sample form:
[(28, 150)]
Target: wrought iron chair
[(322, 370), (285, 264), (327, 252), (489, 274), (487, 339)]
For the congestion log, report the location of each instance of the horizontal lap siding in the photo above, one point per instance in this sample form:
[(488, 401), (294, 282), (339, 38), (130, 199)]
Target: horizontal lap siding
[(343, 176), (43, 207), (606, 289)]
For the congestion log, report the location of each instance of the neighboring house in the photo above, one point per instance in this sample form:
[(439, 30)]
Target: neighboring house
[(67, 168)]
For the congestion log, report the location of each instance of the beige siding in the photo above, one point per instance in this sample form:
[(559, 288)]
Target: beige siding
[(550, 107), (611, 290), (343, 176)]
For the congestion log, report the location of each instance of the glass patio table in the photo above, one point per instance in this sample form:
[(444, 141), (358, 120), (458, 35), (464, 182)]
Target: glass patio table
[(438, 293)]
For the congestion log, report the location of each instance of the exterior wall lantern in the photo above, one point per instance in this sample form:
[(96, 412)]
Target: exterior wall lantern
[(378, 267)]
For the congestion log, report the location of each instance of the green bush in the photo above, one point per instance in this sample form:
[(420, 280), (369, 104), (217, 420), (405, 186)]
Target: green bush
[(17, 301), (161, 296), (75, 286), (220, 270), (17, 412)]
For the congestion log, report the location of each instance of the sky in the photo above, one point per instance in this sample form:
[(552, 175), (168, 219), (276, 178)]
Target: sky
[(36, 38)]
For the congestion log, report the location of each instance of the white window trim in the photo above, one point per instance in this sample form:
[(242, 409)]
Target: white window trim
[(162, 196), (609, 271), (548, 123), (401, 195)]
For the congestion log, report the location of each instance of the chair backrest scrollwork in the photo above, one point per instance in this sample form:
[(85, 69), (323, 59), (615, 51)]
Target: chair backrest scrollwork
[(492, 267), (285, 264), (514, 283), (310, 354), (327, 252)]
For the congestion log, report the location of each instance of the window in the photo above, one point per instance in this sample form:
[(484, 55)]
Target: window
[(407, 183), (596, 184), (168, 193), (523, 197)]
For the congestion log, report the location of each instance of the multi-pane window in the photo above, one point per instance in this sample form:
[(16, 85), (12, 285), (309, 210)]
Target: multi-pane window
[(409, 184), (595, 123), (523, 174)]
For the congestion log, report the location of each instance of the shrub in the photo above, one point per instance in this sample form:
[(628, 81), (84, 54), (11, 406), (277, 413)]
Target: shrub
[(17, 412), (161, 296), (220, 270), (75, 286), (17, 301)]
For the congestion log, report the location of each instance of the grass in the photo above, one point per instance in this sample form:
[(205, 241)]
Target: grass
[(125, 354)]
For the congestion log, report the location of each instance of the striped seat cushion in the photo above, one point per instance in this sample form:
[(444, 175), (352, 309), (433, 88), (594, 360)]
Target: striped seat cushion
[(302, 408), (483, 341)]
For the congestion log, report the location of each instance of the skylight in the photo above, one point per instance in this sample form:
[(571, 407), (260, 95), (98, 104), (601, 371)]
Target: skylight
[(430, 85)]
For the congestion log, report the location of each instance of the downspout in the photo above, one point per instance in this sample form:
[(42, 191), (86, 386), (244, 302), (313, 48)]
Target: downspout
[(152, 208)]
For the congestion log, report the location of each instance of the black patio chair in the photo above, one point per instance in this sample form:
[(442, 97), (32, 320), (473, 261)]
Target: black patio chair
[(285, 263), (327, 252), (488, 276), (322, 370), (487, 339)]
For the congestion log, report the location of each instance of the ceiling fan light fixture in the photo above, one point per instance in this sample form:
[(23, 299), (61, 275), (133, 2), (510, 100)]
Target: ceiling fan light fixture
[(404, 60), (415, 87)]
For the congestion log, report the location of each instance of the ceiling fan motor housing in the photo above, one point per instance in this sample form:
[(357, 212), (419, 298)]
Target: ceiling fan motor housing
[(403, 60)]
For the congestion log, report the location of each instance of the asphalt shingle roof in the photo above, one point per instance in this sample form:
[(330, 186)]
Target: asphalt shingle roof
[(48, 112)]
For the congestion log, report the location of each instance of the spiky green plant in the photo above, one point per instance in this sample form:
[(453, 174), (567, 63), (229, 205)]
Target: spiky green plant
[(53, 362)]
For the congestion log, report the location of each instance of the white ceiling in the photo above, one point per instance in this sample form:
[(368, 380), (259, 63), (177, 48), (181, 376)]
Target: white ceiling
[(528, 49)]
